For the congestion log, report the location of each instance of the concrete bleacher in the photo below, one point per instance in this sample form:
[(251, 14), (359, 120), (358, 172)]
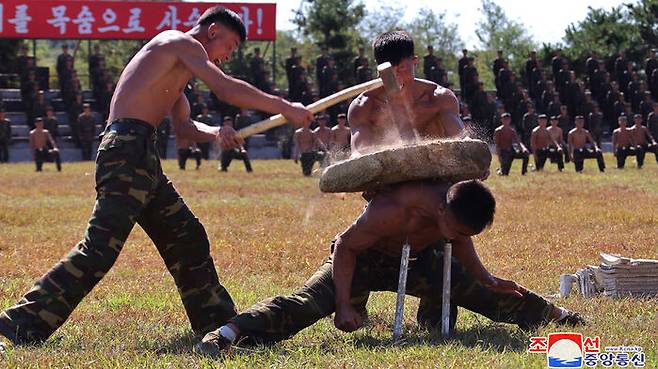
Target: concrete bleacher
[(259, 146)]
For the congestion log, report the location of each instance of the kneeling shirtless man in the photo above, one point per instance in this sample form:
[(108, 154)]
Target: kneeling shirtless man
[(366, 257)]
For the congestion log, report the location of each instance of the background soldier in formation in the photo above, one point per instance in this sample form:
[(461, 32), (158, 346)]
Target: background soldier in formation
[(578, 141), (44, 148)]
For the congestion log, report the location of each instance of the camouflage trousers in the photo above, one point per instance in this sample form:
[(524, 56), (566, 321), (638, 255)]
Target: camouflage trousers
[(130, 188), (281, 317)]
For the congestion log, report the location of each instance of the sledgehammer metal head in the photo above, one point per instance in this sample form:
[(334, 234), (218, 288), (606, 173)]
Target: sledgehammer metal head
[(385, 71)]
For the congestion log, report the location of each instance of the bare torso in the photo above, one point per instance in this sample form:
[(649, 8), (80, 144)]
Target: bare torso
[(323, 134), (39, 139), (578, 138), (622, 137), (151, 82), (419, 202), (430, 107), (305, 140), (542, 138), (340, 138), (504, 137), (640, 135), (556, 134)]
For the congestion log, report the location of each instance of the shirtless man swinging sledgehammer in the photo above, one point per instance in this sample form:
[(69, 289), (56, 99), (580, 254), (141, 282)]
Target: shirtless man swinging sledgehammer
[(131, 187)]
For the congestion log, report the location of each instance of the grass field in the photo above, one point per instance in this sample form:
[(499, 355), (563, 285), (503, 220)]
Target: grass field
[(270, 230)]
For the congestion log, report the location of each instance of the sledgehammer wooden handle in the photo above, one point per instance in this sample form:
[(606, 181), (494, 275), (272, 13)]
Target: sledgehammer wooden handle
[(322, 104)]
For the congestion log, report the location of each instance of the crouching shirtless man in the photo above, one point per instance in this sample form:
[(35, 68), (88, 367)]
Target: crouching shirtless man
[(366, 257), (578, 139)]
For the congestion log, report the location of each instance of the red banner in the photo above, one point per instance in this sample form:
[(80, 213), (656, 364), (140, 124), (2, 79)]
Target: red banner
[(72, 19)]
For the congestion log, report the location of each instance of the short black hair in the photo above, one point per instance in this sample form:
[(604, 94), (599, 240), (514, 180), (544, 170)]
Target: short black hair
[(228, 18), (392, 47), (472, 204)]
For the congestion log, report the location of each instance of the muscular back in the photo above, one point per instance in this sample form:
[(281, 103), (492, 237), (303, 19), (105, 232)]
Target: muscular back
[(153, 80)]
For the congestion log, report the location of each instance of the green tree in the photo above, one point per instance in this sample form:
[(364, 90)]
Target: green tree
[(645, 15), (385, 18), (496, 31), (606, 32), (333, 23), (430, 28)]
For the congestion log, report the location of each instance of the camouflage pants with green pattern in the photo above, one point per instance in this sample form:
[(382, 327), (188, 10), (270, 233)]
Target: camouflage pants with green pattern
[(131, 187), (281, 317)]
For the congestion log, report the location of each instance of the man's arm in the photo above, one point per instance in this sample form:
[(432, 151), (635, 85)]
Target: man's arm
[(361, 132), (232, 90), (32, 145), (195, 131), (570, 144), (648, 134), (590, 139), (52, 142), (533, 141), (449, 116), (614, 142), (464, 250), (496, 138), (382, 217), (515, 138)]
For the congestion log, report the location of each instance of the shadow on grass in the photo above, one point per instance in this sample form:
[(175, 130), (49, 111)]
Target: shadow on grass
[(490, 337), (180, 344)]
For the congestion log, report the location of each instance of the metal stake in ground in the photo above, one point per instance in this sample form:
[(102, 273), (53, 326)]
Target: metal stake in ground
[(445, 308), (402, 289)]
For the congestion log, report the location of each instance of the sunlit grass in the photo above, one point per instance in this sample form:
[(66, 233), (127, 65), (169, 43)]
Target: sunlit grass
[(271, 229)]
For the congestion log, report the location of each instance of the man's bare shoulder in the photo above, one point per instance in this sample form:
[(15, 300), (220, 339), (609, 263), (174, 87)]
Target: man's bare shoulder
[(499, 129), (573, 131), (178, 41), (361, 107), (443, 97)]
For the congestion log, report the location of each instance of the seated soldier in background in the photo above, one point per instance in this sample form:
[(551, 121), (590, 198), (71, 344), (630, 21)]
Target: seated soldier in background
[(557, 134), (509, 147), (187, 149), (642, 140), (87, 131), (204, 117), (366, 257), (543, 146), (339, 140), (579, 150), (306, 149), (238, 153), (595, 121), (44, 148), (652, 121), (622, 143), (50, 123), (421, 110)]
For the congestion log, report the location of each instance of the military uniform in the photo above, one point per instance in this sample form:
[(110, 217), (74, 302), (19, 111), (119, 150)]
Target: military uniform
[(281, 317), (130, 188)]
